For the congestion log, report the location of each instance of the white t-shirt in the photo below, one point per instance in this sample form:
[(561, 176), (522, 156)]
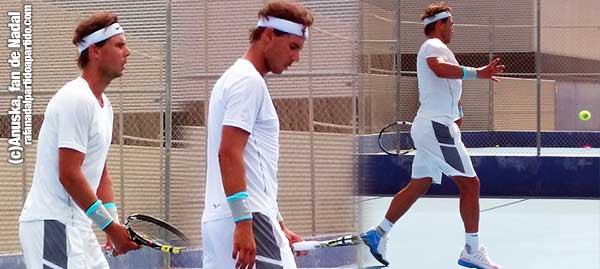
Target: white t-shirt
[(73, 119), (240, 98), (438, 96)]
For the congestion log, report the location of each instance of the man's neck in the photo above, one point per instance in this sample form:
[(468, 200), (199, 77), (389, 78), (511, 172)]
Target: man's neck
[(436, 35), (96, 82), (256, 57)]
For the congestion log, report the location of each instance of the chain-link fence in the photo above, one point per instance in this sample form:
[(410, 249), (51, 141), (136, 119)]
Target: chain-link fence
[(178, 51), (504, 114)]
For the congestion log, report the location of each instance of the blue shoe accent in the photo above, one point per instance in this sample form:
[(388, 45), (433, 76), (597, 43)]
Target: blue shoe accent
[(372, 239), (468, 264)]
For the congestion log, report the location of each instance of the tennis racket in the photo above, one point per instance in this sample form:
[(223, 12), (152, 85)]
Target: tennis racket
[(155, 233), (341, 241), (392, 141)]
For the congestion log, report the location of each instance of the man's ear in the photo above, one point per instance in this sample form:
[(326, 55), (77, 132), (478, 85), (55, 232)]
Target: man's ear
[(93, 51), (269, 33)]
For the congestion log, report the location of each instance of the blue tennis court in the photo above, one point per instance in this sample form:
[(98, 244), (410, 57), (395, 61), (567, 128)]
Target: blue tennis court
[(518, 233), (538, 211)]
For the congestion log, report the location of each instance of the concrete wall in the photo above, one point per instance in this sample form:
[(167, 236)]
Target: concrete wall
[(581, 42)]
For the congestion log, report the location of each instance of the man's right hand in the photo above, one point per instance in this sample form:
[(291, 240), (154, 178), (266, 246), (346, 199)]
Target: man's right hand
[(489, 71), (119, 237), (458, 122), (244, 247)]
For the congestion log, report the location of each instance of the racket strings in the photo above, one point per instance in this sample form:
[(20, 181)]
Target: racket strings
[(348, 240), (394, 139), (156, 233)]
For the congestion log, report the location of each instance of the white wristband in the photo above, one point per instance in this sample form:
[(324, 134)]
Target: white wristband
[(113, 211)]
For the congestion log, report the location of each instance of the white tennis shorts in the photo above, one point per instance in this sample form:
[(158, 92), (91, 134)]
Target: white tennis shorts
[(52, 244), (439, 150), (272, 247)]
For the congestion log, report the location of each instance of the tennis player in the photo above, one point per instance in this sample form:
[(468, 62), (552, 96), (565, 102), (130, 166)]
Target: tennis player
[(71, 186), (241, 224), (437, 138)]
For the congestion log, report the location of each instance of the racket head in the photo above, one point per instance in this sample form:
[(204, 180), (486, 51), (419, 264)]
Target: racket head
[(394, 138), (156, 233)]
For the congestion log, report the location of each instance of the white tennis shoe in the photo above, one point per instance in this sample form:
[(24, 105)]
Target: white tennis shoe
[(477, 259)]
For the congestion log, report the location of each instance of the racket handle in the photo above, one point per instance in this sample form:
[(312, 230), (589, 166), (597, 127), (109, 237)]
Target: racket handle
[(108, 249), (304, 245)]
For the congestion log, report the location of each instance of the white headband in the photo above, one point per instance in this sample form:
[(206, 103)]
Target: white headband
[(289, 27), (437, 17), (100, 35)]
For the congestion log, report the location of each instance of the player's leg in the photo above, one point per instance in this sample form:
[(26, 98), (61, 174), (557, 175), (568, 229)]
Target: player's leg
[(469, 202), (217, 243), (377, 237), (31, 237), (425, 171), (474, 255), (94, 257), (44, 244), (405, 198), (272, 247)]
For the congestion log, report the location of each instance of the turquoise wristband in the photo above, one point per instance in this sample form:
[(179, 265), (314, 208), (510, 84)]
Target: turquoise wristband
[(247, 217), (110, 206), (238, 203), (93, 208), (469, 73), (99, 215), (236, 196)]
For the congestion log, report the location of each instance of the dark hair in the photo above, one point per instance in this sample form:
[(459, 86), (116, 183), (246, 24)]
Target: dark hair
[(286, 10), (430, 11), (92, 24)]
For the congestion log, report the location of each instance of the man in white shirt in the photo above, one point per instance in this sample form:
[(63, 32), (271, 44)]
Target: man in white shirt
[(241, 224), (71, 186), (437, 138)]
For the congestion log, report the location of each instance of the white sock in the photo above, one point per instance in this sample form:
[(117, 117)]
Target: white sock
[(472, 241), (385, 226)]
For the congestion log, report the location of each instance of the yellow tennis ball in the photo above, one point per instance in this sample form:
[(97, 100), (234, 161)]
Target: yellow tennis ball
[(585, 115)]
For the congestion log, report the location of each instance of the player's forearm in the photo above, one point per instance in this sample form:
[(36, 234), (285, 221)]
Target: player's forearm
[(234, 185), (105, 188), (77, 187), (233, 173)]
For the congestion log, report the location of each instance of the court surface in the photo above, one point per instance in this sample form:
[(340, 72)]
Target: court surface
[(518, 233)]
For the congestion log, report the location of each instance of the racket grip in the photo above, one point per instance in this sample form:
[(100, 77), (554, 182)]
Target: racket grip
[(304, 245), (108, 250)]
